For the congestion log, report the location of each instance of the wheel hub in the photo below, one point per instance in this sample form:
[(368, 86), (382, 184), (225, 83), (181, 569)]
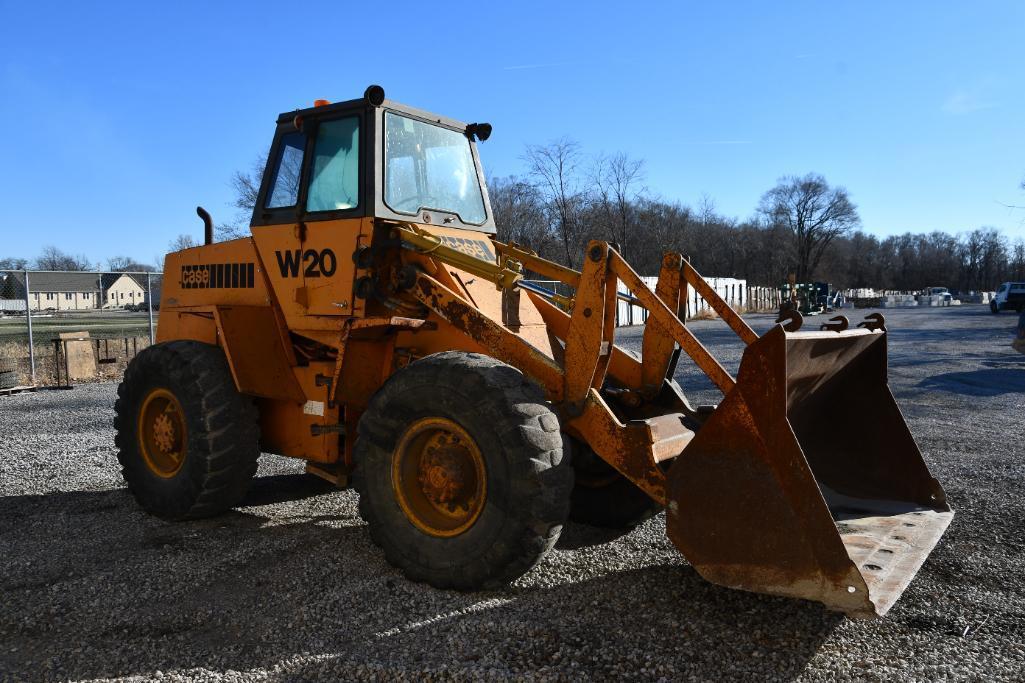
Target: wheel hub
[(438, 477), (446, 472), (161, 433)]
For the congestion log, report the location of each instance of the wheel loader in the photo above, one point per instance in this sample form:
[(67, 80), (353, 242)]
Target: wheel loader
[(375, 327)]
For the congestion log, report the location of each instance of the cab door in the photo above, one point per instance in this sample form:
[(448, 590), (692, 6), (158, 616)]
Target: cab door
[(278, 236), (332, 216)]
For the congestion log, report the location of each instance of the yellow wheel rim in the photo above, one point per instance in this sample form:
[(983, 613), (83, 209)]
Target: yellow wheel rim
[(438, 477), (161, 432)]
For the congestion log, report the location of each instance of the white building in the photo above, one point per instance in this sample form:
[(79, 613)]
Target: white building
[(58, 291), (122, 289)]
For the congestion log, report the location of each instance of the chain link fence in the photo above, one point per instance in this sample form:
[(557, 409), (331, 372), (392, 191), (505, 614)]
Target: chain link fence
[(59, 326)]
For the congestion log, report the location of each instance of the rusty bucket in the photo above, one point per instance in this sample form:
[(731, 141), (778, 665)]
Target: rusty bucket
[(806, 481)]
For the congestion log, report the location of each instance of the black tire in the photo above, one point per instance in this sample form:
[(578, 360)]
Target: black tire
[(528, 476), (603, 497), (993, 307), (222, 434)]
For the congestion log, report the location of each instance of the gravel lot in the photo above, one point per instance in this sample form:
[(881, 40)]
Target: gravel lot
[(290, 587)]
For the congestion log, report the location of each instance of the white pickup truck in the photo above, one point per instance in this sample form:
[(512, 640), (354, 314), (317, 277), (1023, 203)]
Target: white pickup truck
[(1009, 297), (941, 292)]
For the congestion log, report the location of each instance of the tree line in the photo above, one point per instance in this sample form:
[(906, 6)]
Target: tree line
[(803, 225)]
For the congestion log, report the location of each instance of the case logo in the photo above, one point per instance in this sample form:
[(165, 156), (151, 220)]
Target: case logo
[(218, 276)]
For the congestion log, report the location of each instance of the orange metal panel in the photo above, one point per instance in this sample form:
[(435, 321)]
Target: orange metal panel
[(280, 254), (195, 323), (658, 345), (259, 361), (221, 273), (328, 268), (587, 325), (496, 339), (630, 448)]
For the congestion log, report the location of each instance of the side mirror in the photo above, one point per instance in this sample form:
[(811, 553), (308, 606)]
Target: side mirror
[(482, 131)]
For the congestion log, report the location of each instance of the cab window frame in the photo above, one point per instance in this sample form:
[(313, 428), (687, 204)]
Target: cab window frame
[(307, 179), (471, 148), (446, 219), (310, 126)]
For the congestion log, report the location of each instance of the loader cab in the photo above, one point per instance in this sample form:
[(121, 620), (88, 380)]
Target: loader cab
[(374, 158)]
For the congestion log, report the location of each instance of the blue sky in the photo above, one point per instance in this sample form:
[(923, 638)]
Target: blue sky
[(121, 118)]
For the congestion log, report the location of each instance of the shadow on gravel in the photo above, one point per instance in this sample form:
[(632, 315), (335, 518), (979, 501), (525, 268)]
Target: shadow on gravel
[(576, 536), (93, 587), (988, 382), (283, 488)]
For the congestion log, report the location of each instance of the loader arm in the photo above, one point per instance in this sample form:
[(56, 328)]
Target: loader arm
[(761, 495)]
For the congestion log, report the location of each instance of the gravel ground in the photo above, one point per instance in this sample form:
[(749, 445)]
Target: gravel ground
[(290, 587)]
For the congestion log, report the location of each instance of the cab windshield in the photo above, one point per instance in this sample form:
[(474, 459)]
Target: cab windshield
[(429, 167)]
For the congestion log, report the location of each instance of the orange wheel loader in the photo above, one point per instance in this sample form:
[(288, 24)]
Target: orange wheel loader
[(373, 326)]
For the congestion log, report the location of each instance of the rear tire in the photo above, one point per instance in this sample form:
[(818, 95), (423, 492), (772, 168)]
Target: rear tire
[(460, 470), (187, 440), (603, 497)]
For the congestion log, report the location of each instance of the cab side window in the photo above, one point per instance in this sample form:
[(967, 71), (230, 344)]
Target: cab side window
[(334, 181), (285, 189)]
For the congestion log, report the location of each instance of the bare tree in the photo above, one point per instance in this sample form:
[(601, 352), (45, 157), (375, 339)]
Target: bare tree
[(1017, 264), (814, 213), (706, 209), (12, 263), (121, 264), (519, 213), (554, 168), (53, 258), (617, 182), (183, 241), (247, 187)]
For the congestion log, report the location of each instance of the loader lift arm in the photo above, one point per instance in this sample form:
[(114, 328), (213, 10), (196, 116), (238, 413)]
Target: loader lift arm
[(761, 497)]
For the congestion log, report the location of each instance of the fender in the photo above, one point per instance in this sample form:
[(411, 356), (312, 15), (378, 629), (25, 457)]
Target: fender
[(252, 338)]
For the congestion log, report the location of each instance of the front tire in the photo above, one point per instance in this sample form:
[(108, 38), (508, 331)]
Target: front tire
[(187, 440), (460, 470), (994, 308)]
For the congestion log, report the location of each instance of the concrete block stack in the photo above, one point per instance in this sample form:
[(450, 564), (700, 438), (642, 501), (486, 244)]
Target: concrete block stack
[(898, 301), (935, 300)]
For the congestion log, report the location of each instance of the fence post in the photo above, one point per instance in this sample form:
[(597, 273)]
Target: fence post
[(31, 343), (149, 305)]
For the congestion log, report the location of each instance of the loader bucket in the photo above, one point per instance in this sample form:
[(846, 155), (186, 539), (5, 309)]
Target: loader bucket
[(806, 481)]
